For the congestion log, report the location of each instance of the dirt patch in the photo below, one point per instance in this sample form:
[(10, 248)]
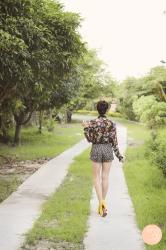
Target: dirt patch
[(14, 172), (22, 169), (49, 245)]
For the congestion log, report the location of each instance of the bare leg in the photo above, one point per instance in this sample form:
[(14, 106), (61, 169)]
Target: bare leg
[(105, 178), (97, 178)]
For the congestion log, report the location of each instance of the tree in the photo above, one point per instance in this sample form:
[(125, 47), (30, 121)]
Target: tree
[(92, 80), (128, 91), (150, 111), (49, 46), (154, 83)]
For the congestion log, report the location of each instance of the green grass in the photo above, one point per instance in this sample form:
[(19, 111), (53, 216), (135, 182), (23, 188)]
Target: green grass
[(34, 146), (135, 131), (65, 227), (146, 184), (7, 186), (64, 216), (48, 144)]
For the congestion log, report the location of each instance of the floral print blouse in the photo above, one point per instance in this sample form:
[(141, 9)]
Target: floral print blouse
[(103, 130)]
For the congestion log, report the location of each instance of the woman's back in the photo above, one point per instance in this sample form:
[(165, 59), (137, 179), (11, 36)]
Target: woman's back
[(100, 130)]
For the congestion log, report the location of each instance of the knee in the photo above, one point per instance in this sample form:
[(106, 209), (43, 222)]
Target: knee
[(104, 177), (96, 178)]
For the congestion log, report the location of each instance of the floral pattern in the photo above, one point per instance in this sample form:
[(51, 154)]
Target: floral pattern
[(103, 130)]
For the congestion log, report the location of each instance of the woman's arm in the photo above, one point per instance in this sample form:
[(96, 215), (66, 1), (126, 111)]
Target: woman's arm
[(88, 132), (114, 142)]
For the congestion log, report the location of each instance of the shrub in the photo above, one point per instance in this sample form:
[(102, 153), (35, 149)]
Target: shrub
[(93, 112), (155, 151), (84, 111), (150, 111), (115, 114), (50, 124)]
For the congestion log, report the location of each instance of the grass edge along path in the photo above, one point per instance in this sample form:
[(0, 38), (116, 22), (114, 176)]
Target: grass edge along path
[(146, 184), (63, 221), (36, 146), (48, 144)]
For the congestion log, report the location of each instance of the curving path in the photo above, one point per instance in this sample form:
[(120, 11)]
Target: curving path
[(117, 231), (19, 211)]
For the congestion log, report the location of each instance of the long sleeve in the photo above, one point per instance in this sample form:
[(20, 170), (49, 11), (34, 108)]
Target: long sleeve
[(114, 141), (88, 132)]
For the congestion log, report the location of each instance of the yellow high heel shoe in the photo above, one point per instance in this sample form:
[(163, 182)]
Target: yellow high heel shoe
[(102, 208)]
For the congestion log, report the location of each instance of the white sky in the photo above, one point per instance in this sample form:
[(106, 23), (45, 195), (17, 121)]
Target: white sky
[(130, 34)]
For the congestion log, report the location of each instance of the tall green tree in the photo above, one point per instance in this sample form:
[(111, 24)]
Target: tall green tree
[(92, 80), (138, 94), (155, 83), (128, 91), (150, 111), (49, 47)]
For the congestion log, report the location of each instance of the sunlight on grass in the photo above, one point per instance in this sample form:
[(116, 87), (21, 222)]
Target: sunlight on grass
[(48, 144), (7, 186), (146, 185), (64, 215), (36, 146)]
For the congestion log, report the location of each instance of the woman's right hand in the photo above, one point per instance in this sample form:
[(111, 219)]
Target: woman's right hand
[(85, 123)]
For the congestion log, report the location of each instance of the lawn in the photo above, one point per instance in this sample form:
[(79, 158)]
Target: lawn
[(146, 183), (48, 144), (35, 146), (7, 186), (63, 221)]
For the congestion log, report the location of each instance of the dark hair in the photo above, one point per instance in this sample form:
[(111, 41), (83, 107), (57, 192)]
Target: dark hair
[(102, 107)]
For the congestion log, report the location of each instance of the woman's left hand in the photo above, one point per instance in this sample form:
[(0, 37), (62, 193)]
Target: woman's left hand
[(122, 159)]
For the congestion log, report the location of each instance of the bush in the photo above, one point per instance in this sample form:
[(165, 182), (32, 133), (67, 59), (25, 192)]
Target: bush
[(84, 111), (150, 111), (155, 151), (50, 124), (88, 112), (115, 114)]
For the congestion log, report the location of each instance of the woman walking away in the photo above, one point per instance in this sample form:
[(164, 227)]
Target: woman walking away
[(101, 132)]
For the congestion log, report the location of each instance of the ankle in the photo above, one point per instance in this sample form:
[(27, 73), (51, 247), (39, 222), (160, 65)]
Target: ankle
[(100, 201)]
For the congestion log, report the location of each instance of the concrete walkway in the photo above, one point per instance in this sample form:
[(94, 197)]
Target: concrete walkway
[(19, 211), (118, 230)]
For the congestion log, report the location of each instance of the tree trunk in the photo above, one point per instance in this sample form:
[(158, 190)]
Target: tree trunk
[(5, 134), (5, 137), (20, 120), (69, 115), (163, 95), (17, 134), (40, 121)]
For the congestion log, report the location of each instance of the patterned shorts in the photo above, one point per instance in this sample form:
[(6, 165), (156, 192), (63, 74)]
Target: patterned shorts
[(101, 152)]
